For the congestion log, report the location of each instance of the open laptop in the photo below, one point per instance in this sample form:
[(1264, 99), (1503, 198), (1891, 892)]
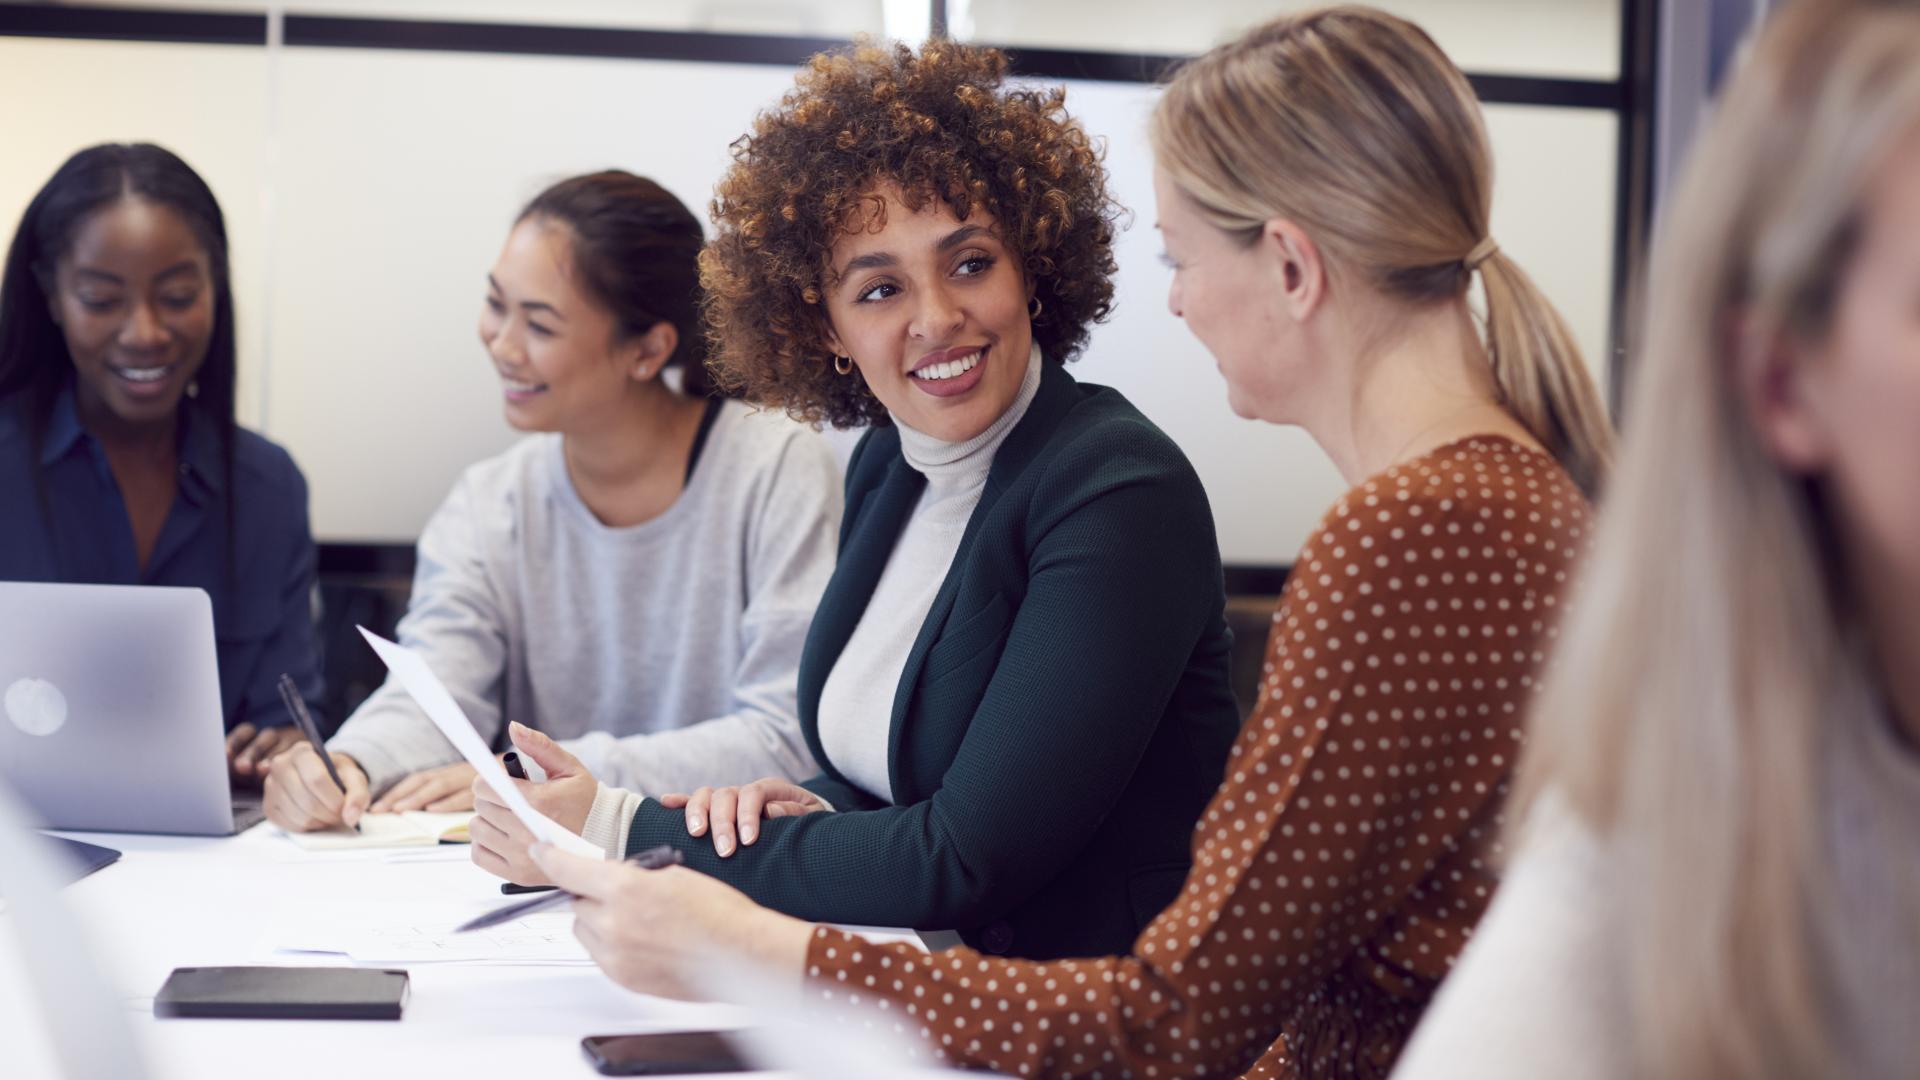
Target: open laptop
[(110, 715)]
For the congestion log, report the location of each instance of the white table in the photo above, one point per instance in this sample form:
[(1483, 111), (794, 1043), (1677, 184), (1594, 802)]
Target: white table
[(180, 902)]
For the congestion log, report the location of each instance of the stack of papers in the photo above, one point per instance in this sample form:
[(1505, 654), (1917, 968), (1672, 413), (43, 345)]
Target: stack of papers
[(420, 932)]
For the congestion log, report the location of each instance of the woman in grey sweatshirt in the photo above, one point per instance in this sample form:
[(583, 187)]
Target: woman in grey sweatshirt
[(635, 579)]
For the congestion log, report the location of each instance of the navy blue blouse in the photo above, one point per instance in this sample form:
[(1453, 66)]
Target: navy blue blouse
[(262, 610)]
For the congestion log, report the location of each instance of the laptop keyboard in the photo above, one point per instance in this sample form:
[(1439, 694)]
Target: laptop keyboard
[(248, 811)]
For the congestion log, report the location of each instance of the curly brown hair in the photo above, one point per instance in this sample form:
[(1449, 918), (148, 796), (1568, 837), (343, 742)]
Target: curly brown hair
[(938, 124)]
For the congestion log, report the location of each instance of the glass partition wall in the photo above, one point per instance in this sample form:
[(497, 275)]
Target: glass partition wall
[(370, 157)]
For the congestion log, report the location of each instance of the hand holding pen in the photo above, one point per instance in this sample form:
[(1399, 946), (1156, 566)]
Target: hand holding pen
[(500, 838), (647, 929), (292, 797), (510, 761), (653, 858)]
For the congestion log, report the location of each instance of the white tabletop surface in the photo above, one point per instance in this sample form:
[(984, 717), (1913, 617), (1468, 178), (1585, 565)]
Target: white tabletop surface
[(182, 902)]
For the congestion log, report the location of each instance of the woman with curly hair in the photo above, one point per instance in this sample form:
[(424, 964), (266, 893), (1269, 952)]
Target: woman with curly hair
[(1016, 683), (1324, 192)]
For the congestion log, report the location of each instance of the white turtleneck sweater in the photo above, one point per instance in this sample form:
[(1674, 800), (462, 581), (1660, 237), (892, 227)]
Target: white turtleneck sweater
[(856, 705)]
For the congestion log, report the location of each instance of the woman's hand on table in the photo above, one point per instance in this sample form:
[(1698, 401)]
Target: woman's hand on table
[(500, 840), (646, 928), (447, 788), (734, 813), (251, 750)]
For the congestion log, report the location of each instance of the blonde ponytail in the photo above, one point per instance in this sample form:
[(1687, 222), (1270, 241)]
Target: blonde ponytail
[(1354, 124), (1542, 379)]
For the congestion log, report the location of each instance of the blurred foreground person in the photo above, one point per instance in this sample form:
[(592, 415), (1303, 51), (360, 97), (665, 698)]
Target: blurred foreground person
[(1718, 877)]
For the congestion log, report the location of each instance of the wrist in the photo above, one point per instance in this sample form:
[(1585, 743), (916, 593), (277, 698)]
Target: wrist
[(780, 944), (603, 824)]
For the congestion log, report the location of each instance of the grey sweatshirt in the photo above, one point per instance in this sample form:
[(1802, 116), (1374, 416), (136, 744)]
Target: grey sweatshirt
[(664, 654)]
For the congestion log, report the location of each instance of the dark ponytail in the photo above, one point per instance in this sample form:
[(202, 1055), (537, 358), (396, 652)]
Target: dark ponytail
[(637, 249)]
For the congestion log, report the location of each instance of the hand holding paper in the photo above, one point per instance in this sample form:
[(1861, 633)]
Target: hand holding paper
[(501, 840), (446, 714)]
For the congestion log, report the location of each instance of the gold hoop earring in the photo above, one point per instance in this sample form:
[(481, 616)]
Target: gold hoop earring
[(843, 364), (1034, 308)]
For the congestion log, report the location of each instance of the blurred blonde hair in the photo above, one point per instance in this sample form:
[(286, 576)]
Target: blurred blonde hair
[(1353, 124), (1709, 659)]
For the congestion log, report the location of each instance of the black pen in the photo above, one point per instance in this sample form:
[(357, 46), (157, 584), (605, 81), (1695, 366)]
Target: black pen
[(511, 761), (296, 708), (653, 858)]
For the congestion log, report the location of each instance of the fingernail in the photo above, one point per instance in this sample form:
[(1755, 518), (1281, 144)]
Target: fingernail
[(695, 824), (726, 847), (747, 836)]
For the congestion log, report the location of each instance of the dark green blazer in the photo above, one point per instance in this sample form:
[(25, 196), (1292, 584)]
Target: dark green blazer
[(1064, 714)]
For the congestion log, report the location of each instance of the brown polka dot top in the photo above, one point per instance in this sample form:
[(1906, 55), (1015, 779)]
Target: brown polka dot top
[(1349, 850)]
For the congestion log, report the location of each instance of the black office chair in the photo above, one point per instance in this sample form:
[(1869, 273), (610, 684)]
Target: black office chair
[(360, 585)]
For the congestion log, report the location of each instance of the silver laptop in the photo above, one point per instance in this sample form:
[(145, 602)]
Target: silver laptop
[(110, 715)]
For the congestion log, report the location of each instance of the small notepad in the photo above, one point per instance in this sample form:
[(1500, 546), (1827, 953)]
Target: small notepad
[(410, 828)]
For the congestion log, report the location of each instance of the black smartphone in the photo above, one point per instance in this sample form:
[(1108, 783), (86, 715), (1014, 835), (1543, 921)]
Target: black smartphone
[(662, 1054)]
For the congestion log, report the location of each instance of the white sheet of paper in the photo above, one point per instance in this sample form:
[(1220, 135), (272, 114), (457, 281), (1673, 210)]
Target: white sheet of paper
[(446, 714), (405, 931)]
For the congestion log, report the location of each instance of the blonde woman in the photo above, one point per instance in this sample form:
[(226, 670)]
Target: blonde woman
[(1720, 875), (1323, 245)]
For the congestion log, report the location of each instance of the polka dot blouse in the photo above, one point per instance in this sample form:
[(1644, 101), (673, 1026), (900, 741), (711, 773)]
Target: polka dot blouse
[(1350, 848)]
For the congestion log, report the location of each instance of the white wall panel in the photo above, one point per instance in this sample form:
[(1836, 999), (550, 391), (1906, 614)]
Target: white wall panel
[(1565, 38)]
